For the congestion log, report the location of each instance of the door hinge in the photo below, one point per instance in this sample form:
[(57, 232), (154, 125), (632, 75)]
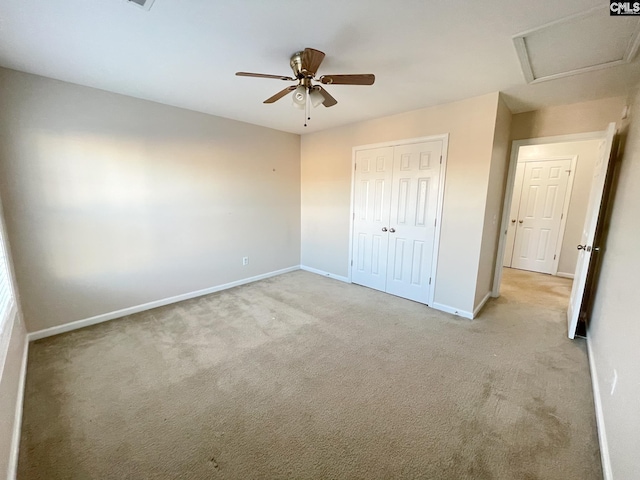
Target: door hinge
[(353, 216), (561, 216), (435, 222), (569, 172), (440, 159), (355, 166), (429, 280), (352, 263), (554, 257)]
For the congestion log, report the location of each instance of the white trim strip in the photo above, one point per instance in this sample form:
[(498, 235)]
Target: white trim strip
[(67, 327), (565, 275), (325, 274), (481, 304), (12, 469), (453, 311), (401, 142), (607, 471)]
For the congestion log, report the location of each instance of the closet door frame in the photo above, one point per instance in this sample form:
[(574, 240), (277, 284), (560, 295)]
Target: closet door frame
[(443, 170)]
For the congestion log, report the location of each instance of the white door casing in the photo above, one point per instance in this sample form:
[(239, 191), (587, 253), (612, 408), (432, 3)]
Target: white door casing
[(414, 198), (513, 215), (372, 204), (398, 255), (540, 215), (588, 234)]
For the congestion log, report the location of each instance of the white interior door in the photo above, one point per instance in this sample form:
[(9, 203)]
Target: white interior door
[(372, 202), (414, 199), (591, 222), (544, 189)]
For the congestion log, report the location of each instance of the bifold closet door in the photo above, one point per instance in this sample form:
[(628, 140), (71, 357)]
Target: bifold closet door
[(395, 207), (414, 199), (372, 203)]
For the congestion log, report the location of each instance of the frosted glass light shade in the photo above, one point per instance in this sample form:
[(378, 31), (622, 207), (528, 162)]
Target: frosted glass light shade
[(316, 97), (299, 97)]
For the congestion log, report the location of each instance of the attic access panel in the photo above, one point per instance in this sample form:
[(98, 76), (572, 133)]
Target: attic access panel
[(577, 44)]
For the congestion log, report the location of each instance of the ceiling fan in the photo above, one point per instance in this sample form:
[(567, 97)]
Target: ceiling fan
[(305, 65)]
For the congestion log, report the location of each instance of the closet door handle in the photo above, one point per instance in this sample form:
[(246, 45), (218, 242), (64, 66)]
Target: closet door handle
[(392, 230), (384, 229)]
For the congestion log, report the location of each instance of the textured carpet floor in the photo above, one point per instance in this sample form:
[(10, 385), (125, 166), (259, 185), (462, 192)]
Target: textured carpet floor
[(300, 376)]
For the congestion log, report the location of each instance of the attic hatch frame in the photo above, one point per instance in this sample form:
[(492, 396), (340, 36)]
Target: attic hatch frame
[(520, 44), (143, 4)]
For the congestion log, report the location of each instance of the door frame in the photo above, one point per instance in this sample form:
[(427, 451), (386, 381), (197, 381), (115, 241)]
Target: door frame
[(565, 205), (508, 193), (444, 137)]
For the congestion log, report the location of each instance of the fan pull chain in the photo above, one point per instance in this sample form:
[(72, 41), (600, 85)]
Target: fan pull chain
[(307, 110), (309, 104)]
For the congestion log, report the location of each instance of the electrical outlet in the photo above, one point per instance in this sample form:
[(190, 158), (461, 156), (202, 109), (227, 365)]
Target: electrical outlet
[(245, 260)]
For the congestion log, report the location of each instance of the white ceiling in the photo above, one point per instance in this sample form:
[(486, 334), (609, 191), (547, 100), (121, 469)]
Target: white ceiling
[(185, 52)]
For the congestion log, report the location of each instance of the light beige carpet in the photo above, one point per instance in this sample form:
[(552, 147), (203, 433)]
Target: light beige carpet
[(300, 376)]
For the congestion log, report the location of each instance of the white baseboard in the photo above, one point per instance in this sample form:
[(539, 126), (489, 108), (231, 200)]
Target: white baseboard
[(12, 470), (67, 327), (454, 311), (607, 472), (324, 274), (481, 304), (565, 275)]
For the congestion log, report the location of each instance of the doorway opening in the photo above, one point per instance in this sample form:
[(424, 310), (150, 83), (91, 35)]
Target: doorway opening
[(552, 199)]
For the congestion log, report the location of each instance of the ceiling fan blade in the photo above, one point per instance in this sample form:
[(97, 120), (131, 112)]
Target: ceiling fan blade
[(311, 60), (329, 101), (264, 75), (280, 94), (356, 79)]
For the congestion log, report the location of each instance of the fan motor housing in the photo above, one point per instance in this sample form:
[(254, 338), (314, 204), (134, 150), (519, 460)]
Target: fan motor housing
[(296, 65)]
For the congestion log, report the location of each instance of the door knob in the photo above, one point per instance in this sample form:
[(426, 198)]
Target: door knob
[(513, 220), (582, 247), (520, 221), (384, 229), (392, 230)]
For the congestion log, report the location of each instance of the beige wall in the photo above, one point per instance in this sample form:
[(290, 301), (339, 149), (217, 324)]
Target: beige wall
[(587, 152), (112, 202), (593, 116), (326, 189), (494, 202), (614, 330)]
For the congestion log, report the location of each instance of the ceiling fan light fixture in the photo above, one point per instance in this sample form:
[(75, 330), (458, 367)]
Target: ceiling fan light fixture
[(306, 94), (300, 96)]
